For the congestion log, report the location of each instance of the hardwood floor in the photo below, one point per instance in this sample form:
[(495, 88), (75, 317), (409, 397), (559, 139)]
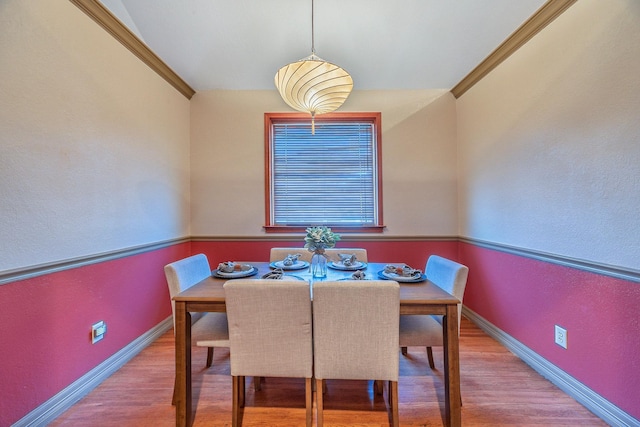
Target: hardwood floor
[(497, 390)]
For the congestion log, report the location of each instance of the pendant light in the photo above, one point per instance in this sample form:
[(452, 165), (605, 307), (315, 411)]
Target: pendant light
[(313, 85)]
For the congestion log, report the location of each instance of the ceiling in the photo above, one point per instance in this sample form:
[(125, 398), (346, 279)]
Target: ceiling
[(383, 44)]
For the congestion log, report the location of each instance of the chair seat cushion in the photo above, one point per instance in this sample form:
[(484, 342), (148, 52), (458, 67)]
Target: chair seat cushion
[(420, 330), (211, 330)]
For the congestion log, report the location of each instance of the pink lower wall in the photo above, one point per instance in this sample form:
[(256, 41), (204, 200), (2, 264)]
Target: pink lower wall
[(45, 321), (525, 298)]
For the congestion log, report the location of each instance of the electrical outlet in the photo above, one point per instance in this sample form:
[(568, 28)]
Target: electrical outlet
[(561, 336), (97, 331)]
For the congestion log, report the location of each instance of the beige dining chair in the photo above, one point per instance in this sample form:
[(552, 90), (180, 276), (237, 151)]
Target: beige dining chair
[(270, 334), (333, 253), (355, 335), (426, 330), (207, 329), (278, 254)]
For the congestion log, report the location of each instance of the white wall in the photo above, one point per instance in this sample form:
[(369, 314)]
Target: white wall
[(418, 155), (94, 147), (550, 141)]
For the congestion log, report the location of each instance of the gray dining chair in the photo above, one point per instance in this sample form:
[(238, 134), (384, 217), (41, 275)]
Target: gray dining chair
[(270, 334), (278, 254), (355, 336), (207, 329), (426, 330)]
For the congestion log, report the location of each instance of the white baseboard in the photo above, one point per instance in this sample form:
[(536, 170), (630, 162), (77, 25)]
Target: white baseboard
[(601, 407), (54, 407), (66, 398)]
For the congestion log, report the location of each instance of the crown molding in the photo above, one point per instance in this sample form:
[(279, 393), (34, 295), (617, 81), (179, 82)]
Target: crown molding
[(96, 11), (539, 20), (532, 26)]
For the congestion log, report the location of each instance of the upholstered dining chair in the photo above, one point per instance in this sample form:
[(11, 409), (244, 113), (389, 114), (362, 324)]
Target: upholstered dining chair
[(426, 330), (278, 254), (207, 329), (361, 254), (355, 335), (270, 334)]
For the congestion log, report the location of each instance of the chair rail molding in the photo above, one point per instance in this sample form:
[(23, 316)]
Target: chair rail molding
[(67, 264), (9, 276), (343, 238), (580, 264)]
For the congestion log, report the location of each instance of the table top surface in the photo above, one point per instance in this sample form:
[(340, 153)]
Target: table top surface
[(210, 290)]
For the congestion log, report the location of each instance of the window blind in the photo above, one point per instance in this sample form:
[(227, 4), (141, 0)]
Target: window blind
[(326, 178)]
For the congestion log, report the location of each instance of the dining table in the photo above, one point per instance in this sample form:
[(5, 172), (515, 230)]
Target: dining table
[(416, 298)]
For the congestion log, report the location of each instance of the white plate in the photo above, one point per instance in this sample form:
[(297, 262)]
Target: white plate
[(340, 266), (292, 277), (235, 274), (283, 277), (298, 265), (399, 278)]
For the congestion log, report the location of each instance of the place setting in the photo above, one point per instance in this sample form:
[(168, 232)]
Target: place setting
[(357, 275), (234, 270), (290, 262), (402, 273), (280, 274), (347, 262)]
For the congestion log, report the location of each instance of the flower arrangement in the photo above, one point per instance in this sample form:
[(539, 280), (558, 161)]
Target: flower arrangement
[(320, 238)]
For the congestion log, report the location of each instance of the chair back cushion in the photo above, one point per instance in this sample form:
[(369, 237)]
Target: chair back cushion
[(361, 254), (278, 254), (185, 273), (448, 275), (270, 331), (355, 329)]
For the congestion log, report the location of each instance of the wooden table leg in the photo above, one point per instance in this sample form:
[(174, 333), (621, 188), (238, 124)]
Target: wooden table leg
[(183, 365), (452, 367)]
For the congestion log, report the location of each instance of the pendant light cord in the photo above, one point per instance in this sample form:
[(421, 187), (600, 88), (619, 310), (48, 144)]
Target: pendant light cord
[(313, 47), (313, 52)]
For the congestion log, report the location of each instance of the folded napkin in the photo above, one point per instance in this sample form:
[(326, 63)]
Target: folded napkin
[(228, 267), (358, 275), (404, 271), (289, 260), (347, 259), (275, 274)]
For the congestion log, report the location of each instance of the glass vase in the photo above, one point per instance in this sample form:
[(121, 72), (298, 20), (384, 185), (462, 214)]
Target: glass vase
[(319, 265)]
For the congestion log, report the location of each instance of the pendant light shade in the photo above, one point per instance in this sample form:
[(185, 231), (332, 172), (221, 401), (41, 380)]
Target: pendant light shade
[(313, 85)]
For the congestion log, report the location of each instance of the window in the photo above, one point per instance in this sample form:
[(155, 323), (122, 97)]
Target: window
[(332, 177)]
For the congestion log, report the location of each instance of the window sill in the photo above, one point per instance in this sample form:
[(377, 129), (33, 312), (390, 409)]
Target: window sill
[(335, 229)]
